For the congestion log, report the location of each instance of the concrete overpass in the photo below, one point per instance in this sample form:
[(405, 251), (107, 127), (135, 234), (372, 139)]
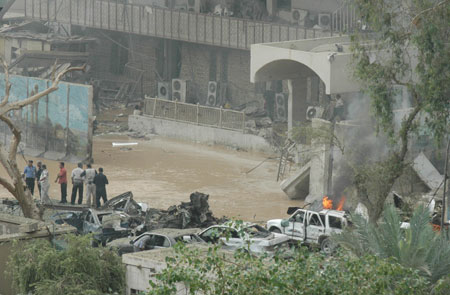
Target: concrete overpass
[(295, 61)]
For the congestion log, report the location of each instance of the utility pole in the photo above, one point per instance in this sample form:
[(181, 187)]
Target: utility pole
[(443, 217)]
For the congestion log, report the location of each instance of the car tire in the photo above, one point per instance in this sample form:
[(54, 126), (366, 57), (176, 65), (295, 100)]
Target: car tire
[(327, 246), (275, 230)]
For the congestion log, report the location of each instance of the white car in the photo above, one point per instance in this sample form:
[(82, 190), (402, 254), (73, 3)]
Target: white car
[(156, 239), (311, 227), (245, 235)]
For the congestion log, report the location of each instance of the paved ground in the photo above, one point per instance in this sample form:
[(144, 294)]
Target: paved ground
[(164, 172)]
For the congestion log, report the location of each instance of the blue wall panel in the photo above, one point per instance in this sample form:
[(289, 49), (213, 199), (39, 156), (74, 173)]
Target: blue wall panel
[(71, 104)]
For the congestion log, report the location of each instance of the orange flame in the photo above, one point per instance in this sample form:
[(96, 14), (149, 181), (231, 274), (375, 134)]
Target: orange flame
[(340, 206), (327, 203)]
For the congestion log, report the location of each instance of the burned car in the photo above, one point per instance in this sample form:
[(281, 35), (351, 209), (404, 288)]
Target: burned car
[(160, 238), (246, 236), (124, 203), (117, 218)]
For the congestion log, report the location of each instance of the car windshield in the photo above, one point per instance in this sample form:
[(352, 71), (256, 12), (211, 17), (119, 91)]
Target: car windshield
[(256, 231)]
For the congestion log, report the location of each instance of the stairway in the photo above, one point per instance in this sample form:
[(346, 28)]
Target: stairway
[(285, 158)]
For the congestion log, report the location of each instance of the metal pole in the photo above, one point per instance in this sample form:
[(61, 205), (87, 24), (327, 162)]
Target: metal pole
[(175, 116), (445, 185), (198, 106), (154, 106)]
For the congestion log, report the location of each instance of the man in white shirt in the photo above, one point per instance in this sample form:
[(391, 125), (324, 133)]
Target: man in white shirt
[(89, 175), (77, 182)]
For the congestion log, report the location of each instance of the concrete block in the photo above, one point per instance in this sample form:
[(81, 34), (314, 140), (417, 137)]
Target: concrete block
[(29, 227), (427, 172), (296, 187)]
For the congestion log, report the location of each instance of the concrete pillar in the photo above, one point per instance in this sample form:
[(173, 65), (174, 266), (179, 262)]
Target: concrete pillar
[(271, 6), (320, 161), (297, 104)]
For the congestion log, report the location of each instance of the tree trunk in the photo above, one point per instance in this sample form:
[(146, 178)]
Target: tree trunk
[(26, 201), (15, 185)]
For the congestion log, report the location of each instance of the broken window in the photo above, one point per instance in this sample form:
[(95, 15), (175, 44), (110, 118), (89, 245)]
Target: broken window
[(232, 233), (90, 218), (212, 234), (315, 220), (335, 222), (299, 217), (160, 241)]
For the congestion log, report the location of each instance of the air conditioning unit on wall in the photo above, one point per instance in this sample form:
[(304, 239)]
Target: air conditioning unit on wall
[(179, 90), (164, 90), (325, 20), (212, 98), (314, 112), (298, 16), (281, 107)]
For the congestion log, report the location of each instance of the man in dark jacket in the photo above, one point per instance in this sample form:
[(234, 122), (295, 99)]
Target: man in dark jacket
[(100, 181)]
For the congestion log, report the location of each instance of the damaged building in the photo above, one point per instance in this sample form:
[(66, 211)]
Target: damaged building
[(237, 73)]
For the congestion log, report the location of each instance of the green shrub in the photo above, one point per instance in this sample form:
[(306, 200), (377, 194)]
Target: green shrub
[(416, 247), (305, 273), (39, 268)]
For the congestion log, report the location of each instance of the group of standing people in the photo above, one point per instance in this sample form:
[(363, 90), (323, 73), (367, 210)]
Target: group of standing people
[(95, 183), (39, 176)]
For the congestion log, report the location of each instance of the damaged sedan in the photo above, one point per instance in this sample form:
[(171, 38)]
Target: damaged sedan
[(157, 239), (119, 217), (247, 236)]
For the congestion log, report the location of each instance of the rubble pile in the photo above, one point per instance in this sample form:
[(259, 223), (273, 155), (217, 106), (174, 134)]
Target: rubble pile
[(193, 214)]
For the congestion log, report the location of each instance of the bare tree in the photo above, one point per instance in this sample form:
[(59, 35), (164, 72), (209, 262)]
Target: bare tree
[(15, 184)]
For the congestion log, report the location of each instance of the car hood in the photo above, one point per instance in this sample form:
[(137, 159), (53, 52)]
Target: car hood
[(120, 242), (264, 245), (272, 221), (271, 240)]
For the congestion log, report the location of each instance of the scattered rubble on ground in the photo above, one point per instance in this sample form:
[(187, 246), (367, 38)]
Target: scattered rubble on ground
[(122, 216)]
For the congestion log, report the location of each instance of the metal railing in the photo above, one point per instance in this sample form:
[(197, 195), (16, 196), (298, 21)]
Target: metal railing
[(167, 23), (195, 114), (344, 19)]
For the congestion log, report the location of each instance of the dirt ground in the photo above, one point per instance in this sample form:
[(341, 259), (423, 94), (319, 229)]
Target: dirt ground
[(164, 172)]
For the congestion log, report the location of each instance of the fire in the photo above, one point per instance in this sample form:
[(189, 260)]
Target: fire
[(340, 206), (327, 203)]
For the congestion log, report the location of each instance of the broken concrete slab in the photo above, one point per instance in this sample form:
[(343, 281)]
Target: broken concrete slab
[(11, 224), (297, 186), (427, 172)]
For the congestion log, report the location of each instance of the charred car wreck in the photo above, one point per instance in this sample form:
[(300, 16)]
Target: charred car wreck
[(122, 217)]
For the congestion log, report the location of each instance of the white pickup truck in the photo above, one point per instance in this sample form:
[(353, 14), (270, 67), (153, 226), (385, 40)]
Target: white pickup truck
[(311, 227)]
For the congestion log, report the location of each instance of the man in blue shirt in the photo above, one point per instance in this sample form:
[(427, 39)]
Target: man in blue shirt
[(30, 176)]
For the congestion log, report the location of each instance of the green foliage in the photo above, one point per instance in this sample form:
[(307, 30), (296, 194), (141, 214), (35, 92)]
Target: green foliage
[(409, 47), (39, 268), (216, 272), (406, 45), (416, 247)]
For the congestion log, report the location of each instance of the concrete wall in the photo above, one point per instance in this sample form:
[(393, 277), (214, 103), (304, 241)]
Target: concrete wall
[(58, 123), (196, 133)]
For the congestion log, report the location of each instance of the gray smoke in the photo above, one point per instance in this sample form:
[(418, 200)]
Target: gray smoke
[(361, 141)]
